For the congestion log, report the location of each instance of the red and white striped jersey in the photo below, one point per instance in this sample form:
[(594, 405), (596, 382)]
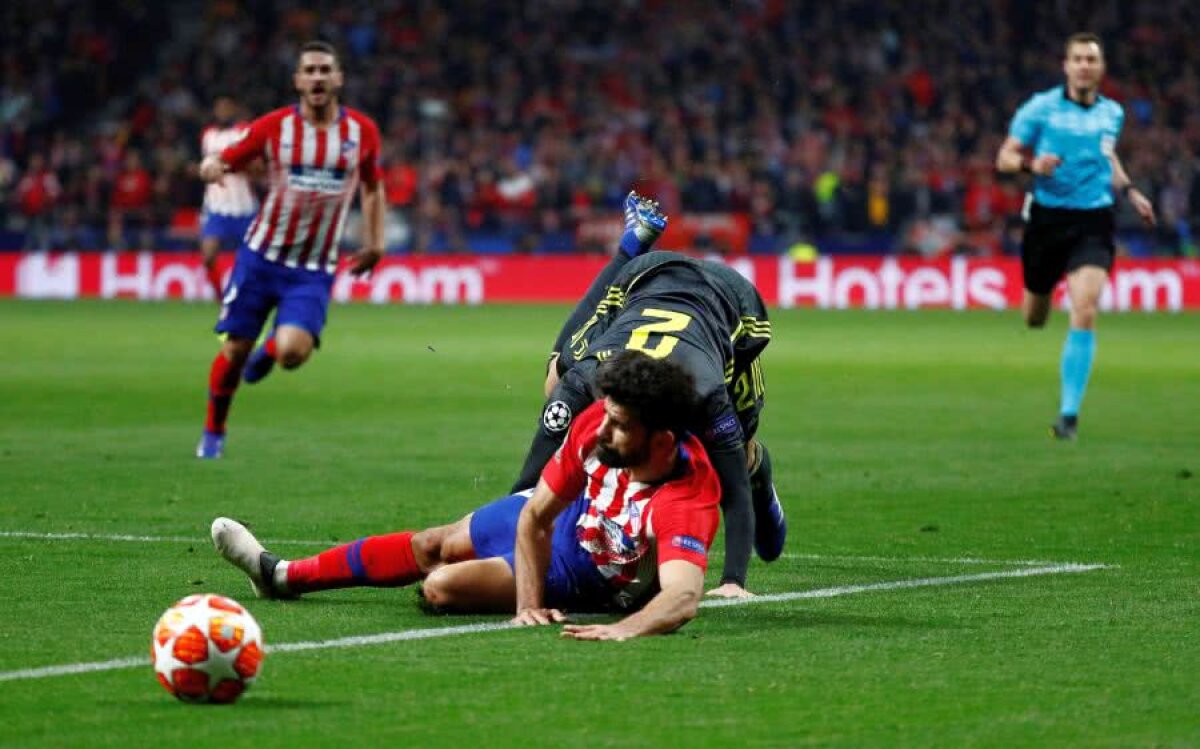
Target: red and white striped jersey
[(233, 195), (630, 528), (314, 173)]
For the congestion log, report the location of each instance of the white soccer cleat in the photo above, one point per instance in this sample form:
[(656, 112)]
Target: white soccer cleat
[(241, 549)]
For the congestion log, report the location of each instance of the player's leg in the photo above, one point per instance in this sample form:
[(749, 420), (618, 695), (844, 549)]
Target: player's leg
[(1084, 285), (1088, 267), (245, 308), (488, 584), (223, 377), (1035, 308), (390, 560), (477, 573), (210, 246), (443, 556), (384, 561), (379, 561), (748, 392), (303, 311), (644, 224), (288, 345), (474, 586), (1043, 262), (211, 232), (770, 523), (261, 361)]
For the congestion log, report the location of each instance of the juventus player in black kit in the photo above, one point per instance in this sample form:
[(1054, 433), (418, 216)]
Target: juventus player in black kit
[(710, 320)]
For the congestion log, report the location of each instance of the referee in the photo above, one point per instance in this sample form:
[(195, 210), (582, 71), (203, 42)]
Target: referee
[(1066, 137)]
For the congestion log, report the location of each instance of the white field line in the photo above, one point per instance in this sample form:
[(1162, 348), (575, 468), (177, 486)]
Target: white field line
[(37, 535), (426, 633), (81, 536), (931, 560)]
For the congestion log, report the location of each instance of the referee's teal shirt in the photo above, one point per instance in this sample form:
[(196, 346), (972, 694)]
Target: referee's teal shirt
[(1083, 137)]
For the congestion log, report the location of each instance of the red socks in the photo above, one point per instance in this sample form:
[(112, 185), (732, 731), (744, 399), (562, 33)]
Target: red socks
[(222, 382), (376, 561)]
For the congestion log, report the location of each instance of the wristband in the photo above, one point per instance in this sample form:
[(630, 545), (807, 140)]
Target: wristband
[(1027, 164)]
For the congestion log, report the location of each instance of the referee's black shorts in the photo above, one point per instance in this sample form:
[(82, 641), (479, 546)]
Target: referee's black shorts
[(1060, 240)]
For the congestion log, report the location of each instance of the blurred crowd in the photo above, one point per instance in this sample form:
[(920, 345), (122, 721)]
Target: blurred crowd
[(856, 123)]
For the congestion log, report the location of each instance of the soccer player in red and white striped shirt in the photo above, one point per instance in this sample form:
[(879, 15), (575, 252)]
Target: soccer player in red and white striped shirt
[(318, 154), (622, 519)]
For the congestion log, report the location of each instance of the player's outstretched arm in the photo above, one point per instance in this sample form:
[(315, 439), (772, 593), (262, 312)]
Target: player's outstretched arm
[(676, 604), (736, 510), (531, 557)]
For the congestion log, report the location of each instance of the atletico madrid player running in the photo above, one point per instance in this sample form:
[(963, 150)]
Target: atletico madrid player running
[(317, 153)]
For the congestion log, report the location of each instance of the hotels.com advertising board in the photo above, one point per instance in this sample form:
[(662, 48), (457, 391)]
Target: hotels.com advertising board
[(829, 282)]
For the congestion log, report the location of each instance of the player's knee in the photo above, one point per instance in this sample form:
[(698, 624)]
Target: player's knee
[(438, 590), (1036, 315), (1084, 316), (292, 357)]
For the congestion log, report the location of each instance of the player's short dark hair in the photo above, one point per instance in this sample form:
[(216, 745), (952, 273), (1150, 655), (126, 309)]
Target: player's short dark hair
[(661, 393), (318, 45), (1083, 37)]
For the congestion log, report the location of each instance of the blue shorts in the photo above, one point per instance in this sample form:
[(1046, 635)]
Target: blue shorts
[(230, 230), (572, 581), (256, 286)]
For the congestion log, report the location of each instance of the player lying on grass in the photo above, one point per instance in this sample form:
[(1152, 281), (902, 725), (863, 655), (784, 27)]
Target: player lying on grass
[(621, 519), (712, 321)]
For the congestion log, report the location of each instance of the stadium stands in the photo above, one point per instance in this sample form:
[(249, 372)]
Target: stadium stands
[(860, 125)]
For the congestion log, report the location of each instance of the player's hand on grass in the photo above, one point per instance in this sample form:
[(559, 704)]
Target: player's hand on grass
[(1045, 164), (730, 590), (596, 632), (363, 261), (538, 617), (1143, 206)]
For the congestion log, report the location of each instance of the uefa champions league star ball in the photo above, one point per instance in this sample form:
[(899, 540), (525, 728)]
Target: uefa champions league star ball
[(206, 648)]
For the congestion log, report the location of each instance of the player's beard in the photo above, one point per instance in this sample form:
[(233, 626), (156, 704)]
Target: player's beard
[(613, 458)]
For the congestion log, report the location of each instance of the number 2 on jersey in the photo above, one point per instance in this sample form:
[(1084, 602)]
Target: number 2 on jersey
[(670, 322)]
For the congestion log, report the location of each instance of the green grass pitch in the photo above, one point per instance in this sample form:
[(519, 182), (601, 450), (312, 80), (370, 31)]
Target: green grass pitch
[(906, 446)]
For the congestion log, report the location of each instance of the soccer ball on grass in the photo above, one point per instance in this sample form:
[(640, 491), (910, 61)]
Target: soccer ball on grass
[(206, 648)]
